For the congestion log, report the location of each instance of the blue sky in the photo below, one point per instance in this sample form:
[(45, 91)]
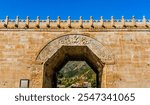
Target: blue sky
[(74, 8)]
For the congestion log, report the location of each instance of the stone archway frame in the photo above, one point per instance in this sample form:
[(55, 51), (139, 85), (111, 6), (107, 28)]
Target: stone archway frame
[(103, 53), (98, 49)]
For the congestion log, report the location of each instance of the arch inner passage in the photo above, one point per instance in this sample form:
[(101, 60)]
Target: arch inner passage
[(70, 53)]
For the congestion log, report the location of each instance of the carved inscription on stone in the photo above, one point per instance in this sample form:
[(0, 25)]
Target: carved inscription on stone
[(74, 39)]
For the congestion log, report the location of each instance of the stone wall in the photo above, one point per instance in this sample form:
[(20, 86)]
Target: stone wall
[(19, 49)]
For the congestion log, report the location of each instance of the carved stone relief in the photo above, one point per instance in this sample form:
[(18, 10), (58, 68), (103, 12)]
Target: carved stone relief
[(76, 40)]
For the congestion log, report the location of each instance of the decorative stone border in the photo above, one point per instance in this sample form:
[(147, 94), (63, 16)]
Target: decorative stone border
[(76, 40)]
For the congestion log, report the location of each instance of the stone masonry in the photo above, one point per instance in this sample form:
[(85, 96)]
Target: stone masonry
[(34, 50)]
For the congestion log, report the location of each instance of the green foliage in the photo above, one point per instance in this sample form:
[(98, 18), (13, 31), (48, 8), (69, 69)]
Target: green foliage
[(76, 72)]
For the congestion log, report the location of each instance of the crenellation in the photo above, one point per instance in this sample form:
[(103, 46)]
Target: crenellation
[(17, 21), (123, 21), (81, 22), (133, 21), (38, 22), (112, 22), (6, 21), (27, 22), (58, 21), (144, 21), (91, 22), (101, 21), (48, 22), (69, 22), (75, 24)]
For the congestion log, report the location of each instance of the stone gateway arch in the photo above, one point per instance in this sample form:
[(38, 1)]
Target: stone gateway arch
[(33, 51), (73, 47)]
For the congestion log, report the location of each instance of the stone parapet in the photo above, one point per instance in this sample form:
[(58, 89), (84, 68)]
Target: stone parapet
[(75, 24)]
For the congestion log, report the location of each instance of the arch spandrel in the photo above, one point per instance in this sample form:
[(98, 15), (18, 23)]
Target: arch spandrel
[(76, 40)]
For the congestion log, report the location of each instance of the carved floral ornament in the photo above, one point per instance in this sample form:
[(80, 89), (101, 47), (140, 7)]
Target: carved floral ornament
[(76, 40)]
